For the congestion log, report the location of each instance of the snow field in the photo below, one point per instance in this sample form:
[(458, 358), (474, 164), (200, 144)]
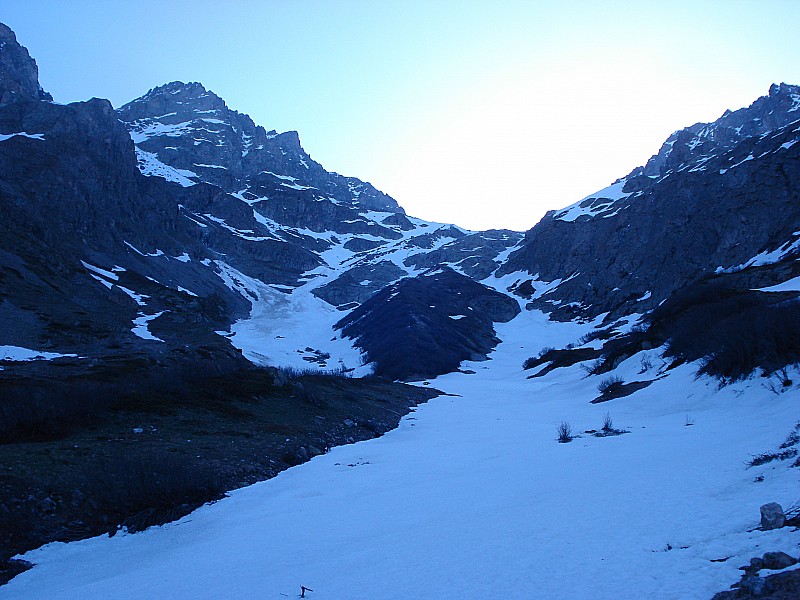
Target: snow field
[(280, 324), (472, 497)]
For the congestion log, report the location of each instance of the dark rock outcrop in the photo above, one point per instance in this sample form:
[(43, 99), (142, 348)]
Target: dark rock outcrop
[(187, 127), (356, 285), (19, 75), (425, 326), (630, 252)]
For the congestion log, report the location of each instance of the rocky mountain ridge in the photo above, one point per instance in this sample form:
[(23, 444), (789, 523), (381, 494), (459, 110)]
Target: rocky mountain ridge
[(224, 214), (685, 147), (151, 255), (704, 204), (20, 73), (192, 130), (220, 217)]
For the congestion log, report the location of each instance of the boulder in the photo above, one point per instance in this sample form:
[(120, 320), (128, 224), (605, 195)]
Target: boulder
[(777, 561), (772, 516)]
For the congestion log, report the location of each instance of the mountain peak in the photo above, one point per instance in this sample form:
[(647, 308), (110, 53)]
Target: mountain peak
[(7, 34), (778, 108), (187, 127), (777, 89), (174, 97), (192, 89), (19, 75)]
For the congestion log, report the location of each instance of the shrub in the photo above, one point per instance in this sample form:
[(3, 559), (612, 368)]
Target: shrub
[(596, 334), (609, 384), (608, 424), (151, 488), (608, 428), (544, 355), (742, 330), (595, 367), (565, 433), (766, 457), (561, 358), (292, 373), (793, 438)]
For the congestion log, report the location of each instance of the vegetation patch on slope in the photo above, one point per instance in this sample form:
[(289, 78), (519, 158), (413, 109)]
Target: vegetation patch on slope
[(154, 453)]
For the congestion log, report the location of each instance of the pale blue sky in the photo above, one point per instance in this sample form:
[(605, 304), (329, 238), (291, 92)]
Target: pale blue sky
[(485, 114)]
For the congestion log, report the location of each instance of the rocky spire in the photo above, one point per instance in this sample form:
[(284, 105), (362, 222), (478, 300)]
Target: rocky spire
[(19, 75)]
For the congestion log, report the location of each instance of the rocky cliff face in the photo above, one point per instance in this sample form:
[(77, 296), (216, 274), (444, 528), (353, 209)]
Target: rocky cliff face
[(191, 129), (151, 230), (768, 113), (18, 71), (89, 244), (706, 202)]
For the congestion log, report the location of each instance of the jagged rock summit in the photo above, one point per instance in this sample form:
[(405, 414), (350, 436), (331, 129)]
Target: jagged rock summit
[(705, 203), (19, 75), (238, 228), (189, 128), (178, 230), (689, 145)]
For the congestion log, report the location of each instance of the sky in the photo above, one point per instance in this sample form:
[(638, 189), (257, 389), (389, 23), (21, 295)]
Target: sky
[(483, 114)]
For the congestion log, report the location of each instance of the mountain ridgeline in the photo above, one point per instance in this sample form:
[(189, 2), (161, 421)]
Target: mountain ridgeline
[(156, 229), (706, 203), (190, 303)]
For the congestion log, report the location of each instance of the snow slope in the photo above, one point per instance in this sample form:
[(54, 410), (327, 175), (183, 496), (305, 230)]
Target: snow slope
[(285, 328), (472, 497)]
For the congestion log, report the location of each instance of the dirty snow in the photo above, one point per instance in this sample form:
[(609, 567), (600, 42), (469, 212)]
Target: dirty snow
[(282, 324)]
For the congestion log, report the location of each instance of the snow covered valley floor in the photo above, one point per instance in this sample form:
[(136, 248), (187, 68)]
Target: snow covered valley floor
[(472, 497)]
